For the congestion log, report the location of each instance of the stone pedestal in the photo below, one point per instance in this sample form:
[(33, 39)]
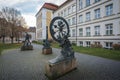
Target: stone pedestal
[(58, 69), (29, 47), (47, 50)]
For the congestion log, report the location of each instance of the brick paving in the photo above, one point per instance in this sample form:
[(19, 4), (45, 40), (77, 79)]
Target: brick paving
[(29, 65)]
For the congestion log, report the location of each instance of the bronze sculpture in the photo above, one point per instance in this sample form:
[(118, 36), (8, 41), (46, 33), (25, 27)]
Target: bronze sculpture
[(59, 29), (46, 44), (27, 44), (66, 61)]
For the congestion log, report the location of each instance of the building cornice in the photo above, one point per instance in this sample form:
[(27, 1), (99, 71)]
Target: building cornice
[(49, 6)]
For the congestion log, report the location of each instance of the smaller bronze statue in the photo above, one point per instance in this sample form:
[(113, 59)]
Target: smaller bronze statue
[(46, 44), (27, 40), (27, 44)]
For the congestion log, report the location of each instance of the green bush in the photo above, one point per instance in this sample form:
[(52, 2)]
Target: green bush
[(116, 46)]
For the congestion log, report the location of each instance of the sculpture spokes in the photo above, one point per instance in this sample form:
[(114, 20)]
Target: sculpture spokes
[(59, 28)]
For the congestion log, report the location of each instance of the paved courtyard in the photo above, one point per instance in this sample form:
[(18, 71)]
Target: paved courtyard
[(29, 65)]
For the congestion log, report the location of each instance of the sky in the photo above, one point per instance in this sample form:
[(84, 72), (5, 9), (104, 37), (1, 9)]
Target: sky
[(28, 8)]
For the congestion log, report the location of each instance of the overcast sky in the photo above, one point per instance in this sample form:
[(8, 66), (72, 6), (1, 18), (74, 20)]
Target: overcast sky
[(28, 8)]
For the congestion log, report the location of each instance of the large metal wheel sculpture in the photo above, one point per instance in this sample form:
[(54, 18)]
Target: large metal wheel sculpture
[(59, 28)]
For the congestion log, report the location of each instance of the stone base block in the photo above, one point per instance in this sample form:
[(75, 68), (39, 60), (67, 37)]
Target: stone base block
[(47, 50), (58, 69), (29, 47)]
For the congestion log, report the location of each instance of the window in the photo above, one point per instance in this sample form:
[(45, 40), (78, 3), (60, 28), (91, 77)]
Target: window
[(73, 8), (87, 2), (69, 21), (80, 18), (108, 45), (109, 10), (80, 32), (97, 13), (97, 1), (69, 10), (80, 4), (88, 31), (58, 14), (81, 43), (87, 43), (73, 21), (88, 16), (61, 13), (97, 30), (109, 29), (65, 12), (73, 33)]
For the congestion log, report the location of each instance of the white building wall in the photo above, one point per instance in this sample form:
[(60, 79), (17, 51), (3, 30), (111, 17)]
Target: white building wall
[(38, 24), (102, 21), (43, 23), (32, 35)]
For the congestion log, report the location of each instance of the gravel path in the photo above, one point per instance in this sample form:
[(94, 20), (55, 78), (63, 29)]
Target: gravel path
[(29, 65)]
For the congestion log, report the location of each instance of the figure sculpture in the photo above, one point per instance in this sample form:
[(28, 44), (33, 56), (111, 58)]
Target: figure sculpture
[(46, 44), (27, 40), (27, 44)]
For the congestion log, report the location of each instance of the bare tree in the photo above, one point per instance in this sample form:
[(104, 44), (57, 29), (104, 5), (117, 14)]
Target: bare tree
[(14, 21), (2, 29)]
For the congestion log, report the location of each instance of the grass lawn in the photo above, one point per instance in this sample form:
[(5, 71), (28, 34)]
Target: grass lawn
[(105, 53), (101, 52), (8, 46)]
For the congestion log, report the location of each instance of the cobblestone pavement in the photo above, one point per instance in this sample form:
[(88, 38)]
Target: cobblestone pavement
[(29, 65)]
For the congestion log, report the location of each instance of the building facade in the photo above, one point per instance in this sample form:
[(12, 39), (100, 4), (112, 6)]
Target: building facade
[(32, 33), (43, 18), (92, 21)]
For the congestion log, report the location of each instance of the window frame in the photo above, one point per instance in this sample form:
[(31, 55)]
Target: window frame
[(88, 43), (88, 16), (88, 32), (97, 30), (80, 4), (73, 33), (109, 9), (108, 45), (97, 13), (81, 43), (80, 32), (80, 18), (109, 29), (87, 3), (73, 20), (97, 1), (73, 8)]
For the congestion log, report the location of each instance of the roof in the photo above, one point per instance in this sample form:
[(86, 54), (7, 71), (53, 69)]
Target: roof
[(50, 6), (67, 1)]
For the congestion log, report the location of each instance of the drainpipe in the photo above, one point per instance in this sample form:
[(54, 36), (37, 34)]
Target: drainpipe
[(76, 22)]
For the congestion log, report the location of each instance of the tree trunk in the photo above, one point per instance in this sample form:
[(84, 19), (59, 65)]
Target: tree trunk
[(12, 40), (3, 39)]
